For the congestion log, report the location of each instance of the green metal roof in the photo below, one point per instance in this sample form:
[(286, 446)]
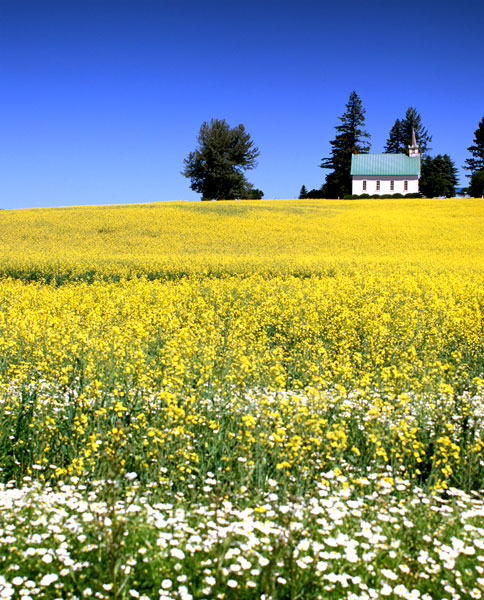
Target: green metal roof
[(384, 164)]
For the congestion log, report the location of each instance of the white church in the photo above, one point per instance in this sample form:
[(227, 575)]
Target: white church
[(386, 174)]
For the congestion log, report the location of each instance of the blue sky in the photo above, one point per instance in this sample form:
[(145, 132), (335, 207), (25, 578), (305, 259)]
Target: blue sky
[(102, 100)]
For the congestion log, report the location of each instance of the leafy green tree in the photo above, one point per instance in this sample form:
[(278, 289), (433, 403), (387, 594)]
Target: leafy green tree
[(476, 163), (438, 176), (350, 138), (216, 167), (303, 193), (476, 189), (400, 136)]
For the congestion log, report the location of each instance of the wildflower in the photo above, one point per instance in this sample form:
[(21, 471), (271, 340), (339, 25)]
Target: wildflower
[(184, 593), (401, 590), (389, 574), (177, 553), (49, 579)]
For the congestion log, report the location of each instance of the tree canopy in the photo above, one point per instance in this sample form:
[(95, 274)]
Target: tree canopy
[(476, 189), (396, 140), (400, 136), (476, 163), (216, 166), (303, 193), (439, 176), (350, 138)]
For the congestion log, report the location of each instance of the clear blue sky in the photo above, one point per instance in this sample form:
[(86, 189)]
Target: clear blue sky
[(102, 100)]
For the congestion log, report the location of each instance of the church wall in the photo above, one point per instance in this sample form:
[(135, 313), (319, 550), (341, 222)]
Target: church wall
[(385, 185)]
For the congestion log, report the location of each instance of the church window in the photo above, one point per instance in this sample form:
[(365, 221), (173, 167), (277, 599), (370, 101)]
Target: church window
[(392, 185), (364, 186), (377, 186), (405, 185)]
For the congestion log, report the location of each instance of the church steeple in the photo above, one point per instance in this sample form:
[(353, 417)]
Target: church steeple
[(413, 149)]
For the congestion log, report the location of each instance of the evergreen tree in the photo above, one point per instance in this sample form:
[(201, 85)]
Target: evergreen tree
[(349, 139), (476, 189), (252, 193), (315, 194), (303, 193), (396, 142), (438, 176), (477, 150), (400, 136), (215, 167)]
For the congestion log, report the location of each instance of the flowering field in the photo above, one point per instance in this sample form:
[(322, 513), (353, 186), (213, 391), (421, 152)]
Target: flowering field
[(272, 400)]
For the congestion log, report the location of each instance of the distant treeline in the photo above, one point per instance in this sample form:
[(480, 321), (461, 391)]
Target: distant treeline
[(216, 167)]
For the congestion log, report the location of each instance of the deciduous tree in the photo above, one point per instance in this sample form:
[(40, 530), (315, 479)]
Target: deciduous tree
[(216, 166)]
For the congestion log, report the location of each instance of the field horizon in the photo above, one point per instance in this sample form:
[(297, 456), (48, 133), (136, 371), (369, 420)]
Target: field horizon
[(171, 239)]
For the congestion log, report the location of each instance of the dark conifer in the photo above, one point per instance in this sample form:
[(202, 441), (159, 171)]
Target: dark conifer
[(396, 142), (350, 138), (476, 189), (439, 176), (476, 163), (303, 193), (400, 136)]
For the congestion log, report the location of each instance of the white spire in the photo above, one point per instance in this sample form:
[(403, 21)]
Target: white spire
[(413, 149)]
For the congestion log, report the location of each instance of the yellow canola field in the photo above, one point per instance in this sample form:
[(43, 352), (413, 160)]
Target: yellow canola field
[(242, 400), (404, 332), (150, 318), (303, 237), (291, 376)]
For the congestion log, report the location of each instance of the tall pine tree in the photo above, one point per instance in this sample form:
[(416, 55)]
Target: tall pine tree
[(476, 163), (303, 193), (476, 189), (396, 142), (350, 138), (400, 136)]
